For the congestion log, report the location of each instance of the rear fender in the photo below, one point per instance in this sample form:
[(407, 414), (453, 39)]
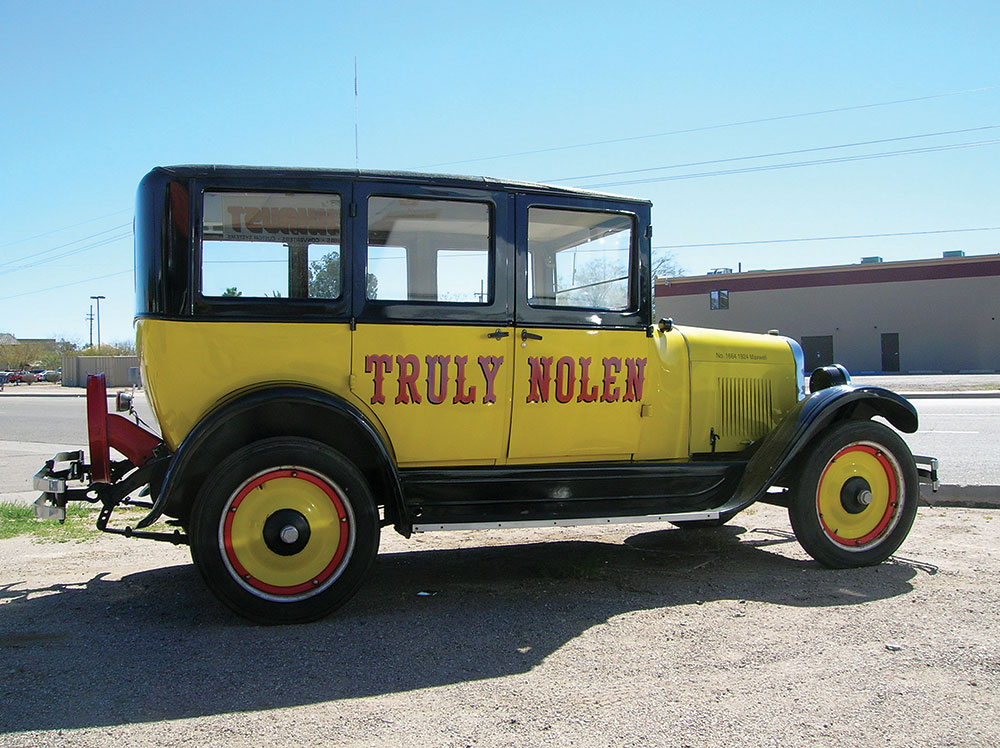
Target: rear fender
[(776, 452), (281, 411)]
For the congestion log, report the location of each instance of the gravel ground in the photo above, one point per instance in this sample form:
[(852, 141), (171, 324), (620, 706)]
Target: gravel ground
[(633, 635)]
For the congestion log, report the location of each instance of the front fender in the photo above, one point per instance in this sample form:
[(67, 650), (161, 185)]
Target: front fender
[(776, 451)]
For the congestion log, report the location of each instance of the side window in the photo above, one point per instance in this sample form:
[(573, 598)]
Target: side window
[(271, 245), (718, 300), (579, 259), (428, 250)]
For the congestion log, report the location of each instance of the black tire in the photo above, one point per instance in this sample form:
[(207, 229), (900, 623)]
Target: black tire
[(855, 495), (284, 531)]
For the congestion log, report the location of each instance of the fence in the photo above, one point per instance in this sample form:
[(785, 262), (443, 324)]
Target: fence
[(119, 371)]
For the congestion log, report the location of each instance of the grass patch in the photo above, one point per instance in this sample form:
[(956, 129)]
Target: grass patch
[(19, 519)]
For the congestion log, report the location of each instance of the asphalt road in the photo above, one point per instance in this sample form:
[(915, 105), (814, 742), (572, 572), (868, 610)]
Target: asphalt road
[(961, 432)]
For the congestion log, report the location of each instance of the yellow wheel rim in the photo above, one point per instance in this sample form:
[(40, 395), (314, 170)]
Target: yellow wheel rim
[(286, 534), (858, 496)]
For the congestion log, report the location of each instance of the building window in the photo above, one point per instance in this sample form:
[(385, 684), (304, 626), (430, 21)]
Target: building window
[(718, 300)]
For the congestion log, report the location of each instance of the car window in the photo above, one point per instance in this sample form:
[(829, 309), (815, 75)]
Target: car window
[(579, 259), (428, 250), (271, 245)]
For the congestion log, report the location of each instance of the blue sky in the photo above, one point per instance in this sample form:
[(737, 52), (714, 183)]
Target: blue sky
[(96, 94)]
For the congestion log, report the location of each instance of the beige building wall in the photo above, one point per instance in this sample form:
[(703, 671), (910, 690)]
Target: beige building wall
[(945, 325), (115, 368)]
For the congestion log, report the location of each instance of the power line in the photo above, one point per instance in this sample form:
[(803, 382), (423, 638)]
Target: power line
[(776, 153), (66, 285), (69, 253), (705, 128), (64, 228), (67, 244), (826, 238), (796, 164)]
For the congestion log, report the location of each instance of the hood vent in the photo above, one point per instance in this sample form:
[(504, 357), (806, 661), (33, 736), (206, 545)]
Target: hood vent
[(745, 407)]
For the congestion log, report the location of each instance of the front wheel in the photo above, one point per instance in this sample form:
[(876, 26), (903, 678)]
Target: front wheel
[(855, 496), (284, 530)]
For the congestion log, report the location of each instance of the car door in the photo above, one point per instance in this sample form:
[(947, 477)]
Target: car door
[(432, 344), (581, 347)]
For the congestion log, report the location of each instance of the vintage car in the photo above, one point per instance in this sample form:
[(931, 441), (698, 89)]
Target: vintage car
[(433, 352)]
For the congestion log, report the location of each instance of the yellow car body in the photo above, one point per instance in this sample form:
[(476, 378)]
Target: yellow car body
[(331, 352)]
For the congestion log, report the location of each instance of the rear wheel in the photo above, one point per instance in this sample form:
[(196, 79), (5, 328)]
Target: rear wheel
[(284, 530), (855, 496)]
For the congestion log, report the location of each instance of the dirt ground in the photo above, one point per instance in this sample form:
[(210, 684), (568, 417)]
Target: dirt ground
[(632, 635)]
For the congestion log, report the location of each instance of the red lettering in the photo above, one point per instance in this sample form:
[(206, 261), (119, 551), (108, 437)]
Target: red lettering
[(235, 212), (289, 218), (409, 370), (380, 365), (539, 378), (437, 369), (461, 394), (252, 220), (635, 374), (565, 379), (270, 218), (586, 395), (490, 366), (612, 366)]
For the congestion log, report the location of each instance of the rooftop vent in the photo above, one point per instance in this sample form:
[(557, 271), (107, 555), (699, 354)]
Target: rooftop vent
[(954, 253), (870, 260)]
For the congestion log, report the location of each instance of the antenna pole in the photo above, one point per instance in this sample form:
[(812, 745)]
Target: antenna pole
[(356, 158)]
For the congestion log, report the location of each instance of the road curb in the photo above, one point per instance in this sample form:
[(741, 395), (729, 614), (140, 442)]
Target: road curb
[(968, 497), (949, 394)]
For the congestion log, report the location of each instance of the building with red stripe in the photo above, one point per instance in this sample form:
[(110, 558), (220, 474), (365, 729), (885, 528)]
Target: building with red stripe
[(918, 316)]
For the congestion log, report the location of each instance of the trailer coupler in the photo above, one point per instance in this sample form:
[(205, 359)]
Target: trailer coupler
[(69, 466)]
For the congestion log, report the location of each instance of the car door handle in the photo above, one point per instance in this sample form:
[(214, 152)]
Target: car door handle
[(525, 335), (497, 334)]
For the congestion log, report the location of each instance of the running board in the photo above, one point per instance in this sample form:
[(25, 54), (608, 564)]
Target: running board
[(681, 517)]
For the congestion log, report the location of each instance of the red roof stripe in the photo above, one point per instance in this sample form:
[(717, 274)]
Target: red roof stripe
[(843, 275)]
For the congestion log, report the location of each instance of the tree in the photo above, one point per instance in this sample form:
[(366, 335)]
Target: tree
[(665, 265), (232, 292), (324, 278)]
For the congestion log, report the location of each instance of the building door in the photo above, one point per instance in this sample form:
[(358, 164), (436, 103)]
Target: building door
[(817, 350), (890, 351)]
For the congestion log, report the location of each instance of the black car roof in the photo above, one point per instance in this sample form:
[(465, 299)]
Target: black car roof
[(448, 180)]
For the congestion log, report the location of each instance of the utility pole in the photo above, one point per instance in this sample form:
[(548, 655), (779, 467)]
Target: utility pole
[(98, 299), (90, 318)]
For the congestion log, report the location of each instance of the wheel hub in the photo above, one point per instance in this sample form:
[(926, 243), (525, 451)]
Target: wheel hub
[(286, 532), (856, 495)]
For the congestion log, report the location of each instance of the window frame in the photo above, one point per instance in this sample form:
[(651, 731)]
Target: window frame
[(636, 316), (497, 312), (716, 297), (259, 308)]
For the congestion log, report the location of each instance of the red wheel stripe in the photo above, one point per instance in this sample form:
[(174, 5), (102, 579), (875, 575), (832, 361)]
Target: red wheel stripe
[(890, 508), (338, 556)]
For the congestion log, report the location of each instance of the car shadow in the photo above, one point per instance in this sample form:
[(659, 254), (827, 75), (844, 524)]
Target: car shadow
[(155, 645)]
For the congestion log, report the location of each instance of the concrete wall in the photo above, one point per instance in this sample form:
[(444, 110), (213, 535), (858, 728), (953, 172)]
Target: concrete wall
[(116, 369), (947, 325)]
